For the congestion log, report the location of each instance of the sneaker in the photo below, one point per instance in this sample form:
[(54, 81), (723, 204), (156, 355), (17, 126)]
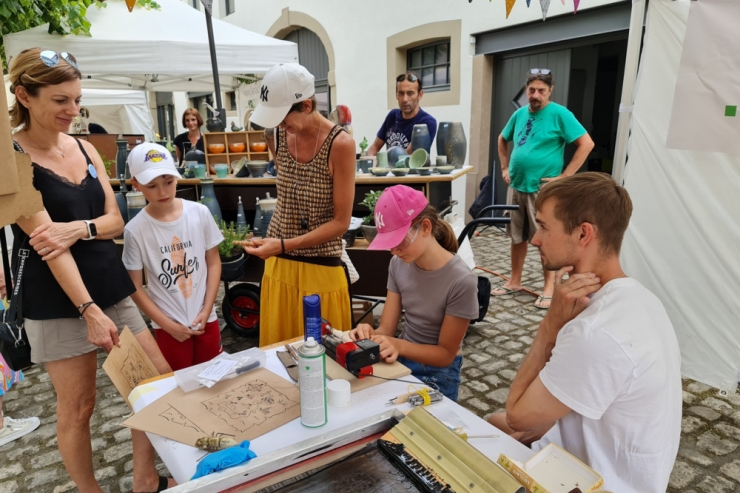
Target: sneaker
[(16, 428)]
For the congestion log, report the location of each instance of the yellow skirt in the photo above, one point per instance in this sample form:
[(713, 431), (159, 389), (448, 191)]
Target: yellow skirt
[(284, 285)]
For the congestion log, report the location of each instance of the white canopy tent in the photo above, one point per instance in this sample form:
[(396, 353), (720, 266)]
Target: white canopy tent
[(119, 112), (158, 50), (684, 234)]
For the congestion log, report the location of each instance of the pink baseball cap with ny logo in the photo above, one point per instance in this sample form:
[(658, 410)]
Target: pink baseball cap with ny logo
[(396, 209)]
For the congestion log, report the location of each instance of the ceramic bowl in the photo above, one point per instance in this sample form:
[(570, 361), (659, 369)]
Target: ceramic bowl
[(379, 171), (394, 153), (444, 170), (257, 168), (237, 147), (400, 171), (216, 148), (181, 170), (238, 164), (418, 158), (424, 171), (258, 147)]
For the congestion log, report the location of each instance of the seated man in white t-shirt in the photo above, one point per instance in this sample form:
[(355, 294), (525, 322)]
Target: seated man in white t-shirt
[(605, 363)]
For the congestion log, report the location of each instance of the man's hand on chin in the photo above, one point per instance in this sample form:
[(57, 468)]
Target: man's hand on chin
[(570, 297)]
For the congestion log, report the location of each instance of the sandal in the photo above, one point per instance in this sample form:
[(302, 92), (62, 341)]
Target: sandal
[(541, 300), (502, 290), (163, 484)]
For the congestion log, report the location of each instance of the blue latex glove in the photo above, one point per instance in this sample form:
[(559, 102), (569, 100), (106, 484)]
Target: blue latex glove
[(223, 459)]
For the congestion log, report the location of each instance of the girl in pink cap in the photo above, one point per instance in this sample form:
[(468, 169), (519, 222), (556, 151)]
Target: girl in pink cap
[(430, 282)]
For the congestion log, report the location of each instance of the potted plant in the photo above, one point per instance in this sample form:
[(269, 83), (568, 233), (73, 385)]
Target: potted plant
[(368, 223), (231, 252)]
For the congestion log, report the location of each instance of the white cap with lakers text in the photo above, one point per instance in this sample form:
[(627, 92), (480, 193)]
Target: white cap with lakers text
[(283, 86), (149, 160)]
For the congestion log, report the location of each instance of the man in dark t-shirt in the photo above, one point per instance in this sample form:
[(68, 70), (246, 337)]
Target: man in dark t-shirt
[(399, 124)]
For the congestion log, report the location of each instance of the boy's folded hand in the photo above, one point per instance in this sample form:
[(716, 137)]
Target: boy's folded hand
[(180, 332)]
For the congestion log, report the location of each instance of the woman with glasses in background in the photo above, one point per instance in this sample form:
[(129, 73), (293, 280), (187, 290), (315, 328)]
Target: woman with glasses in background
[(430, 282), (193, 138), (75, 295)]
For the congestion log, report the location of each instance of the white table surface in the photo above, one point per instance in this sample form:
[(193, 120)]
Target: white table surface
[(181, 459)]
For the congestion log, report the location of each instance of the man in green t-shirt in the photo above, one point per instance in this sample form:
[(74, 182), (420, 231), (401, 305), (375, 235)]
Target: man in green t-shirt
[(536, 136)]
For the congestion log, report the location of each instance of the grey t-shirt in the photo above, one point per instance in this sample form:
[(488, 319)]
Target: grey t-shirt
[(427, 296)]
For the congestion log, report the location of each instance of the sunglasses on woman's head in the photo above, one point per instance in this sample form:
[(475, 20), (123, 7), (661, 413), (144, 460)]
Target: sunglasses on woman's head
[(543, 71), (408, 77), (51, 58)]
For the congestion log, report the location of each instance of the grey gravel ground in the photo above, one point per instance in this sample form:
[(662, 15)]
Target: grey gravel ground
[(708, 459)]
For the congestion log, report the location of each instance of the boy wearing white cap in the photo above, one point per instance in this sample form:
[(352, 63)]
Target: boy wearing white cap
[(177, 242)]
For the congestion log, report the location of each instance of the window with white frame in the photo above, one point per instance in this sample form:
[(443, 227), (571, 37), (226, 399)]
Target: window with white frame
[(431, 63)]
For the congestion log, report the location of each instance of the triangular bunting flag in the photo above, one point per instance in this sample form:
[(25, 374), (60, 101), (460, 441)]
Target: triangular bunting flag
[(545, 4), (528, 2), (509, 6), (562, 1), (130, 5), (575, 5)]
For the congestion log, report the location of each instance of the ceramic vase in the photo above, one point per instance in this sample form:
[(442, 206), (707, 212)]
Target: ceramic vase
[(442, 130), (241, 220), (456, 145), (122, 206), (121, 155), (208, 197), (420, 139), (395, 153)]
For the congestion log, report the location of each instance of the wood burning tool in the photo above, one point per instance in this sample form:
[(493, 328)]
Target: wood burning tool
[(357, 357), (419, 397)]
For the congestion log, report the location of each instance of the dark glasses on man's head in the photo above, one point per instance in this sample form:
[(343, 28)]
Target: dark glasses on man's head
[(543, 71), (51, 58), (408, 77)]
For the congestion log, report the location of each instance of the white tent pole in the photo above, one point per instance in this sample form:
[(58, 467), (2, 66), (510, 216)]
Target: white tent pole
[(634, 42)]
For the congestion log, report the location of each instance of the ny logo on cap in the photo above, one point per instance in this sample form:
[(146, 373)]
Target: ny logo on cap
[(298, 95), (379, 223), (263, 93)]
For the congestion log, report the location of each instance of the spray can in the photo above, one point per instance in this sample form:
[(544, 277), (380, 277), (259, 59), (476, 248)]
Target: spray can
[(312, 383), (312, 317)]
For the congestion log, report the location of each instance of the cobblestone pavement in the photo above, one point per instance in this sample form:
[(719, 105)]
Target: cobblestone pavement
[(708, 459)]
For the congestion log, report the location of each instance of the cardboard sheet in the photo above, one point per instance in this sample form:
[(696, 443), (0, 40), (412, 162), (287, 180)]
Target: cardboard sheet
[(243, 408), (9, 182), (27, 201), (129, 365)]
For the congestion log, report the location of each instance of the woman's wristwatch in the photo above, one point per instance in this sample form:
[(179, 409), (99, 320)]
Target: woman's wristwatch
[(92, 231)]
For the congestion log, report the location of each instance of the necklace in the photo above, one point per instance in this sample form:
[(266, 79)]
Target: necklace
[(37, 146), (307, 182), (315, 147)]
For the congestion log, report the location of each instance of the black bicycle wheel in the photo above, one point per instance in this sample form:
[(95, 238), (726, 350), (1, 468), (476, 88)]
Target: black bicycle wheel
[(242, 296)]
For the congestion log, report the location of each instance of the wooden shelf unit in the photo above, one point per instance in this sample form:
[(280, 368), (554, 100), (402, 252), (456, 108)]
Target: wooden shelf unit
[(226, 138)]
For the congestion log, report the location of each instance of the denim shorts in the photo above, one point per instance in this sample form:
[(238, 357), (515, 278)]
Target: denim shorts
[(446, 379)]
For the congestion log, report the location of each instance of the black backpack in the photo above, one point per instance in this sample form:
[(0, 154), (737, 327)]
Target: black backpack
[(484, 198)]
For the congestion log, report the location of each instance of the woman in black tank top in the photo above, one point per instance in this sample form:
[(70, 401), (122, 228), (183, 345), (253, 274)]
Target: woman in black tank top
[(74, 283)]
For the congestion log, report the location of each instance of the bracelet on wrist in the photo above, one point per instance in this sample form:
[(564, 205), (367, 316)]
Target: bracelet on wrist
[(84, 307)]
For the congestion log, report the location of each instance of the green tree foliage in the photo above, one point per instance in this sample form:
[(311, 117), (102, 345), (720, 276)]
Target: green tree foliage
[(63, 17)]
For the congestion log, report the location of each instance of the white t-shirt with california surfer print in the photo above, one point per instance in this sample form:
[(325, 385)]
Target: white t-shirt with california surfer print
[(174, 256)]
